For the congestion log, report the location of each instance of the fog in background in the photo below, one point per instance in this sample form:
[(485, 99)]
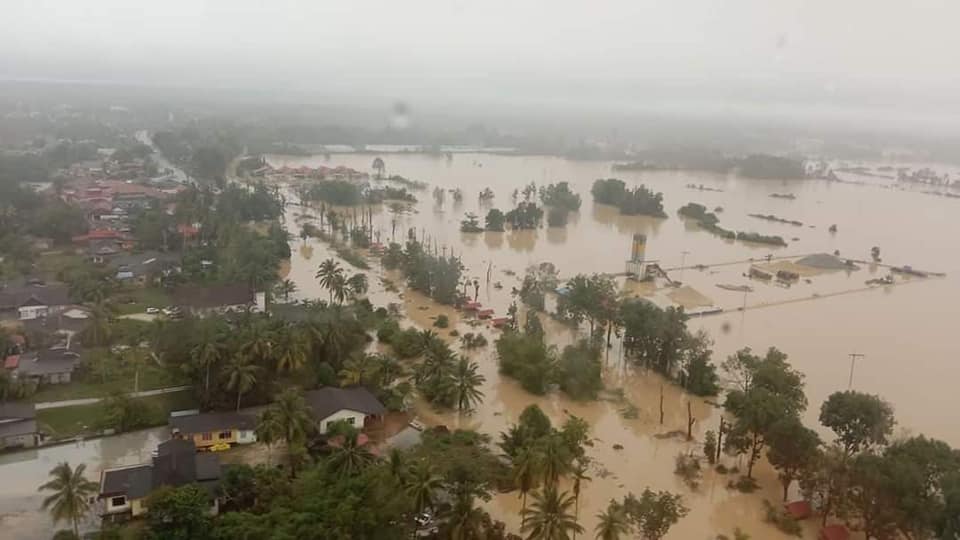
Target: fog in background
[(854, 64)]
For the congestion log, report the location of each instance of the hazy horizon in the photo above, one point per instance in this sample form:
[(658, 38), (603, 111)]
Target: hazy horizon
[(860, 63)]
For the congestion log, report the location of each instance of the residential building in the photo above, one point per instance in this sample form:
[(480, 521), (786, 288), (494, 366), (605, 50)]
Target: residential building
[(18, 425), (356, 406), (29, 301), (48, 366), (208, 429), (145, 268), (124, 490), (201, 300)]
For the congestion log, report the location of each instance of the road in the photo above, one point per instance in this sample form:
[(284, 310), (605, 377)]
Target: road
[(162, 162), (91, 401)]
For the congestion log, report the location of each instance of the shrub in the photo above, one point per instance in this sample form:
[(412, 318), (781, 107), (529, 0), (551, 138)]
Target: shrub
[(782, 520), (442, 321)]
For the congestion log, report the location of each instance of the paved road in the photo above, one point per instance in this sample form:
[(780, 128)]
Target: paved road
[(91, 401)]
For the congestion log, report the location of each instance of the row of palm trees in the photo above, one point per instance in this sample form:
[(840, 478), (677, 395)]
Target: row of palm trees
[(333, 278)]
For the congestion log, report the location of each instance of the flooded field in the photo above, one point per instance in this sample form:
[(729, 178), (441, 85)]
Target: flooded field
[(905, 330), (902, 329)]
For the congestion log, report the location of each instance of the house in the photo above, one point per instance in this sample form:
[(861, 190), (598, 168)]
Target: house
[(18, 425), (201, 300), (146, 267), (124, 490), (48, 366), (208, 429), (355, 406), (29, 301)]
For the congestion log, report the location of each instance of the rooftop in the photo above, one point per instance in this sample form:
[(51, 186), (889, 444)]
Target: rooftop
[(204, 422), (213, 296), (34, 295), (329, 400)]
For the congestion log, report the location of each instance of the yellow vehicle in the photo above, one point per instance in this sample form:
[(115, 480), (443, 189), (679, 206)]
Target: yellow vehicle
[(219, 447)]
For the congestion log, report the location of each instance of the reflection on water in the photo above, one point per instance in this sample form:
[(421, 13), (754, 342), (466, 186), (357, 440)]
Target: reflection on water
[(904, 331)]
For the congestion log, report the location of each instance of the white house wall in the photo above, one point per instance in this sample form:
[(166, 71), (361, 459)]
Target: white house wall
[(342, 415)]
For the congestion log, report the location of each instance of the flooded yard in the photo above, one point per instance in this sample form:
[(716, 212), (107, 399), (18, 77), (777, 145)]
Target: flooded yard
[(818, 320)]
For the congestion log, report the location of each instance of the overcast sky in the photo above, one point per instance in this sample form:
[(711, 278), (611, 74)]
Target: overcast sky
[(900, 54)]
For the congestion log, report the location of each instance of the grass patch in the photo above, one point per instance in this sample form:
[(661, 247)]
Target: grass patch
[(53, 264), (89, 382), (138, 299), (65, 422)]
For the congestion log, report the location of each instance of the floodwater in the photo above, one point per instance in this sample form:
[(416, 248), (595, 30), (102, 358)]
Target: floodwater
[(903, 329), (22, 472)]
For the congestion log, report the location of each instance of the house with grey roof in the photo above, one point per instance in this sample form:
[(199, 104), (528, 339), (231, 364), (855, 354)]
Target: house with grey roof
[(48, 366), (124, 490), (146, 267), (208, 429), (356, 406), (206, 300), (32, 301), (18, 425)]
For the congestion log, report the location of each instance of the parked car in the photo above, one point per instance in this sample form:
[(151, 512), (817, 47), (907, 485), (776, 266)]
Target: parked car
[(152, 311)]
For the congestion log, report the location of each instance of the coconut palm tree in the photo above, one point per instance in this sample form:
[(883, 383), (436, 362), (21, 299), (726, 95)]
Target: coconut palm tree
[(422, 485), (579, 472), (466, 521), (357, 284), (612, 524), (292, 350), (285, 288), (397, 466), (467, 383), (257, 341), (71, 496), (208, 351), (549, 518), (241, 375), (350, 457), (329, 274), (100, 329), (555, 459), (356, 368), (288, 419), (379, 166), (526, 474)]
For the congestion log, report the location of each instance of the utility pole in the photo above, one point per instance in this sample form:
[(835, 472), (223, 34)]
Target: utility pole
[(683, 262), (853, 362)]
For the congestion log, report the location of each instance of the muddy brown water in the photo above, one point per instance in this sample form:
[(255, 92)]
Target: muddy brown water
[(903, 330)]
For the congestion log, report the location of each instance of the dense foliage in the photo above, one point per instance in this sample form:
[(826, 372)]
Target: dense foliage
[(437, 276), (638, 201)]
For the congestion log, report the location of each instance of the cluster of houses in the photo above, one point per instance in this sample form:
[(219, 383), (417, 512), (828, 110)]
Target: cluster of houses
[(186, 458)]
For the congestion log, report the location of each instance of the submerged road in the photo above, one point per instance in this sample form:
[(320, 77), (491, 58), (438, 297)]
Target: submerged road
[(91, 401)]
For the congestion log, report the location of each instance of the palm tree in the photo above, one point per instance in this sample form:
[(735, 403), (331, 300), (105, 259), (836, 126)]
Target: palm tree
[(397, 466), (555, 457), (465, 520), (466, 384), (387, 370), (288, 419), (526, 472), (292, 350), (379, 166), (339, 289), (612, 523), (423, 483), (354, 369), (549, 518), (328, 274), (71, 496), (257, 341), (241, 375), (357, 284), (208, 351), (100, 329), (579, 472), (350, 457), (285, 288)]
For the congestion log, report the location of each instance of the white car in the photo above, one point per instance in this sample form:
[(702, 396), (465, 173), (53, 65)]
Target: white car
[(152, 311)]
